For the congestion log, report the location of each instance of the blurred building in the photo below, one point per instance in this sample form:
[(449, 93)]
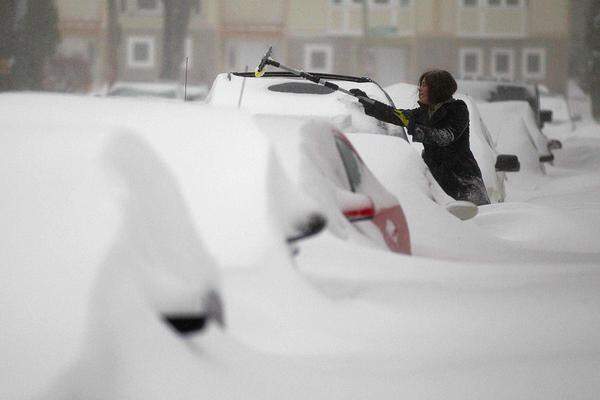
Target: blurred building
[(389, 40), (79, 62), (140, 53), (395, 40)]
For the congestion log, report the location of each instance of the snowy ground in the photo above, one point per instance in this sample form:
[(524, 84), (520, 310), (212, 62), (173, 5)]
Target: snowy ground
[(504, 306)]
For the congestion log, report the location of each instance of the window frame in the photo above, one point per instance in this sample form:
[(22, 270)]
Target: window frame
[(540, 51), (504, 4), (462, 52), (354, 172), (463, 4), (149, 11), (510, 74), (310, 48), (198, 8), (134, 64)]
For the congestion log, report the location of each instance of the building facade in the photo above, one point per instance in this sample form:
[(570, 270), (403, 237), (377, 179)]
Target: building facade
[(140, 51), (389, 40), (80, 59), (395, 40)]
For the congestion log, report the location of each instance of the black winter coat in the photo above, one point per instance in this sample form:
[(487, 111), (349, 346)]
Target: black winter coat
[(447, 153)]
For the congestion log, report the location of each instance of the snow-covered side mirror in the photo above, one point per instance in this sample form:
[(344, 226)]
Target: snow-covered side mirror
[(507, 163), (463, 210), (313, 224), (190, 321), (554, 144)]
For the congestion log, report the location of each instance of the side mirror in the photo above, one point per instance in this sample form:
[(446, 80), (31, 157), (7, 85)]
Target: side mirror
[(507, 163), (546, 116), (312, 225), (462, 210), (554, 144), (187, 320)]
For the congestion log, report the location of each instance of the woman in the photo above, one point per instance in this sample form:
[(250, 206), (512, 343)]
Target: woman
[(441, 124)]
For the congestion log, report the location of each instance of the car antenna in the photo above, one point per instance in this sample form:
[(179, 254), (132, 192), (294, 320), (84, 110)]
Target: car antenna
[(242, 89), (185, 81)]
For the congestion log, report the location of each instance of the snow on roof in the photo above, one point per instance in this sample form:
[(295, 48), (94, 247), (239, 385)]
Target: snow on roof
[(258, 96)]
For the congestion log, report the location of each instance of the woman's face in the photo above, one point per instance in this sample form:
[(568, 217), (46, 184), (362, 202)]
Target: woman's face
[(424, 93)]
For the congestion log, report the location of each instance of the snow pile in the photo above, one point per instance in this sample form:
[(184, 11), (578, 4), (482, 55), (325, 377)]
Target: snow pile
[(97, 243), (116, 210)]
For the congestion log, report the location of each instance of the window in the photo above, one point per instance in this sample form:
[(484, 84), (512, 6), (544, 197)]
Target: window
[(123, 6), (503, 63), (470, 3), (140, 52), (504, 3), (470, 62), (197, 6), (318, 58), (351, 163), (147, 4), (534, 63), (336, 2), (404, 3)]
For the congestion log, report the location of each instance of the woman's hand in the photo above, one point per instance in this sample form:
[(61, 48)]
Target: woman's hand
[(358, 92)]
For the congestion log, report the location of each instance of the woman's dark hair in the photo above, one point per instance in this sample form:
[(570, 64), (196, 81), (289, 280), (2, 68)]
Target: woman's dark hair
[(441, 85)]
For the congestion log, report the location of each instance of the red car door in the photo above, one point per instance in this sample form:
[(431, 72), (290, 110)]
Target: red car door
[(372, 203)]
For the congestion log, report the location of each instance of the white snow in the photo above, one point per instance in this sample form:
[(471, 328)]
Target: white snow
[(115, 210)]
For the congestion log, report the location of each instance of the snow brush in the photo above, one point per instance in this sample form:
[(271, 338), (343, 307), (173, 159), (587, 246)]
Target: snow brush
[(267, 60)]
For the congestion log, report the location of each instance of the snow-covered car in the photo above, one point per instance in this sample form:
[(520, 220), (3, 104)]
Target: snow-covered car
[(278, 93), (563, 120), (117, 210), (492, 164), (321, 161), (496, 91), (513, 129), (521, 100), (283, 93), (125, 212)]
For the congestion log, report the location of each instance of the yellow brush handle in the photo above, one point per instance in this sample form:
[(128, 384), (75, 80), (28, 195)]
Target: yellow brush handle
[(258, 73), (402, 117)]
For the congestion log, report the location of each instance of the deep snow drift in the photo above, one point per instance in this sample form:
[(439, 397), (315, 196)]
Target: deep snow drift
[(110, 215)]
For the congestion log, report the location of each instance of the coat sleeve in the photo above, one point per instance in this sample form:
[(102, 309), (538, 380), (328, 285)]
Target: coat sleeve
[(445, 132), (386, 113)]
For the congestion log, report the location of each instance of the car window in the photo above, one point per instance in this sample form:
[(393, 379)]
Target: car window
[(352, 163)]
